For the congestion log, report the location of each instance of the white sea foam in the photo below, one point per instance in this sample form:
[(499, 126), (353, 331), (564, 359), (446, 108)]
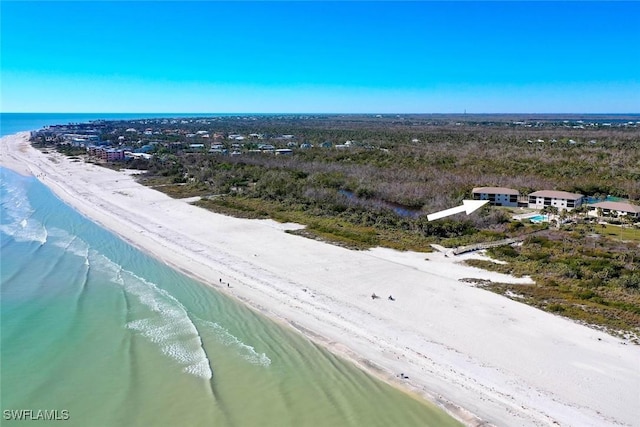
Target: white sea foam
[(70, 243), (21, 225), (168, 325), (29, 231), (105, 265), (246, 351)]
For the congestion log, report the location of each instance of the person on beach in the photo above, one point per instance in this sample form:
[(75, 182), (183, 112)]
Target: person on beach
[(391, 298), (374, 296)]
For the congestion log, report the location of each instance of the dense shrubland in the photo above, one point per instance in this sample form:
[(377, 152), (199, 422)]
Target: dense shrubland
[(434, 173), (352, 196)]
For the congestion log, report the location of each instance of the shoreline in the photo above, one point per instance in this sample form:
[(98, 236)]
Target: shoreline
[(481, 357)]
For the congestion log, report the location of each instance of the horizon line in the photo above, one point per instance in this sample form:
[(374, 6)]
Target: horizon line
[(322, 113)]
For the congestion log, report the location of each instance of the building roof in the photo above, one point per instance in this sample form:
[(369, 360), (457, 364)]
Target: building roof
[(495, 190), (556, 194), (617, 206)]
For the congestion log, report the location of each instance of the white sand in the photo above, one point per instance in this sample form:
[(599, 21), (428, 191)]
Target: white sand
[(467, 349)]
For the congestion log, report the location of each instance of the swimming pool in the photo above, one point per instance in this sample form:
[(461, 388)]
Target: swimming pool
[(538, 218)]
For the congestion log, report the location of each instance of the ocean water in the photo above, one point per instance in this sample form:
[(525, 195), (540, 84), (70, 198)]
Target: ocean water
[(92, 326), (11, 123)]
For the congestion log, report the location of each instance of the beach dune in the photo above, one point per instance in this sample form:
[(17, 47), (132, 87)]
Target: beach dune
[(482, 357)]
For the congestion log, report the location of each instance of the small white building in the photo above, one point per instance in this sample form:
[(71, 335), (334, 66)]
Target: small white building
[(497, 196), (137, 155), (615, 209), (558, 199)]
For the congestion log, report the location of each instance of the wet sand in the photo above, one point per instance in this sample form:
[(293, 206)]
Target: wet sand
[(481, 356)]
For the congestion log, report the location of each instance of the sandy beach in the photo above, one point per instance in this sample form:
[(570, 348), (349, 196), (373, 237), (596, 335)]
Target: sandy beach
[(484, 358)]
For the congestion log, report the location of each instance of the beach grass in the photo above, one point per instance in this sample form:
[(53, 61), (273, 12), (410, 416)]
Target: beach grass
[(319, 227), (607, 308), (574, 274), (468, 322), (579, 274), (622, 233)]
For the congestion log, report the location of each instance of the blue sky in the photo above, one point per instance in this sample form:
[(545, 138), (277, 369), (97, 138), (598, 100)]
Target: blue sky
[(352, 57)]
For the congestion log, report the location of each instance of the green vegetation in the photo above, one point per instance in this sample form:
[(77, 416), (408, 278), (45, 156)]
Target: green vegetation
[(631, 234), (70, 150), (345, 229), (377, 190), (581, 273)]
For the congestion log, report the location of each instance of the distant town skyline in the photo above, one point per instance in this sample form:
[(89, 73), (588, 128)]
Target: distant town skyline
[(320, 57)]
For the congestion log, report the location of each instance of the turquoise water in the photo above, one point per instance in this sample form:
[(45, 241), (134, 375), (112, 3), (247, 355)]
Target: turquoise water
[(538, 218), (11, 123), (94, 327)]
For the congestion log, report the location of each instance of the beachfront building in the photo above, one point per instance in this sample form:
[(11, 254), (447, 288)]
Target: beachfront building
[(497, 196), (107, 154), (112, 155), (614, 209), (558, 199)]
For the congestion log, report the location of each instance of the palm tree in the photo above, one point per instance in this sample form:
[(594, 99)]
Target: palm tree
[(627, 220), (564, 214), (580, 210)]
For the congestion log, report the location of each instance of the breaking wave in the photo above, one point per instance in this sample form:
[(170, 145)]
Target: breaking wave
[(245, 351), (169, 326), (21, 225), (163, 320), (70, 243)]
